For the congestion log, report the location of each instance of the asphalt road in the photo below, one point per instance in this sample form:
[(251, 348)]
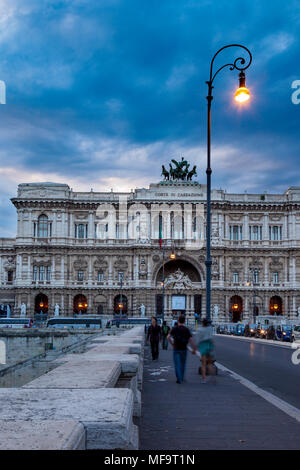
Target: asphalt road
[(268, 366)]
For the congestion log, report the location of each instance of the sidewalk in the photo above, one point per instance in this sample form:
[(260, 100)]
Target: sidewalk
[(207, 416)]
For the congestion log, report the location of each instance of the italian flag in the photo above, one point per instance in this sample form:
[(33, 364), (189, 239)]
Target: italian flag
[(160, 231)]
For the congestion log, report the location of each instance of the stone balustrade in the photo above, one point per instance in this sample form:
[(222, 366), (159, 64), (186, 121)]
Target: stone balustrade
[(87, 402)]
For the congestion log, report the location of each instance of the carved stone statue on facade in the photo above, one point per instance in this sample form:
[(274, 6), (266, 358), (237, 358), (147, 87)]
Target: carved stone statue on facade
[(23, 309), (56, 310), (142, 308), (178, 280)]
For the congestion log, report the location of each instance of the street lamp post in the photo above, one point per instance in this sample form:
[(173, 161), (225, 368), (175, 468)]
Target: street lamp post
[(242, 94), (121, 298), (163, 285)]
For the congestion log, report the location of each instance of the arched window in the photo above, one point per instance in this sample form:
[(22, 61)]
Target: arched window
[(43, 226)]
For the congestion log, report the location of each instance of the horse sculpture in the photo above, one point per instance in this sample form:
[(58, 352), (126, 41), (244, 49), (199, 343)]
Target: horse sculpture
[(180, 172), (165, 173), (192, 173)]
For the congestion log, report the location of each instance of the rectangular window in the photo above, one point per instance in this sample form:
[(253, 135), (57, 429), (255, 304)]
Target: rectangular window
[(255, 232), (275, 232), (80, 231), (255, 277), (35, 273), (80, 276), (10, 276), (42, 273), (235, 278), (48, 273), (275, 278), (120, 276), (236, 232), (100, 276)]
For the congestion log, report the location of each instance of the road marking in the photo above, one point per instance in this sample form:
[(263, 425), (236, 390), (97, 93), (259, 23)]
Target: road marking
[(270, 342), (280, 404)]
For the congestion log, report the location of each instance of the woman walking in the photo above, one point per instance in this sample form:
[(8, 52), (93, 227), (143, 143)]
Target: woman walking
[(205, 343)]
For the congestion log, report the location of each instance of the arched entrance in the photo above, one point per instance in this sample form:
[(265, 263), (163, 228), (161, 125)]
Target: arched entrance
[(181, 278), (100, 304), (236, 308), (41, 304), (275, 305), (120, 304), (80, 304)]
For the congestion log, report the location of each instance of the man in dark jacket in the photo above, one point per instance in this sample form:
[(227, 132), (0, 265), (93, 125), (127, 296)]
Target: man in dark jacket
[(180, 336), (154, 333)]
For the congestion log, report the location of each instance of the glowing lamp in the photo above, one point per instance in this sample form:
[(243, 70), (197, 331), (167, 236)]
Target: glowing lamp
[(120, 306), (173, 255), (275, 307), (79, 305), (41, 305), (242, 94), (235, 306)]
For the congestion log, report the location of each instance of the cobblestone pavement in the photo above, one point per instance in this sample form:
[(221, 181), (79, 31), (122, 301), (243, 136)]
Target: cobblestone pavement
[(224, 415)]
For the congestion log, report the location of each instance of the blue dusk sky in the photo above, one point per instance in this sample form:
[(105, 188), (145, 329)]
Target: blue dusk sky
[(101, 93)]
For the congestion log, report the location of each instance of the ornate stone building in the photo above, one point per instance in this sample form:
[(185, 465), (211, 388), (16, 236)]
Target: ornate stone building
[(99, 252)]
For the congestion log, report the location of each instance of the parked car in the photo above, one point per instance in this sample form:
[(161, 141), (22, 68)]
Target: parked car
[(284, 333), (271, 332), (287, 333), (252, 329), (262, 332), (297, 334)]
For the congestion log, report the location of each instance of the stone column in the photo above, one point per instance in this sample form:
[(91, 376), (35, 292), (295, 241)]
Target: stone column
[(52, 274), (90, 272), (54, 225), (266, 228), (246, 228), (29, 271)]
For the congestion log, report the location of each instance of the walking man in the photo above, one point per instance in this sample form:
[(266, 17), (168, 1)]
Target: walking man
[(154, 333), (180, 336), (165, 332)]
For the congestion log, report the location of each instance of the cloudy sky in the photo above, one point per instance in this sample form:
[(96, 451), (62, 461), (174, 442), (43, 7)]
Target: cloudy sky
[(101, 93)]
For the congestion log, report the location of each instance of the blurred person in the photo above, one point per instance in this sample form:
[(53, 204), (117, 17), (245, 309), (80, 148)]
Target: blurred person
[(203, 339), (165, 332), (180, 336), (154, 334)]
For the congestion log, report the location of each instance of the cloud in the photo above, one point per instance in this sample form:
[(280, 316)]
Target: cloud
[(101, 94)]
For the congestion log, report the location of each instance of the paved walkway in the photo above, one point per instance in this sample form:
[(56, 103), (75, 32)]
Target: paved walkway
[(225, 415)]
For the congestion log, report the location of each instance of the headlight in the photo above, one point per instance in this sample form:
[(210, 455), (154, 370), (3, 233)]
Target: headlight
[(284, 333), (251, 331)]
